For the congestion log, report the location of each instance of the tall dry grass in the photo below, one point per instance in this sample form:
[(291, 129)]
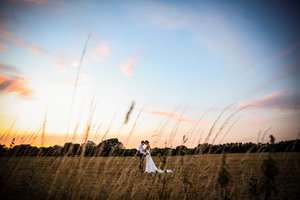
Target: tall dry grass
[(119, 178), (193, 177)]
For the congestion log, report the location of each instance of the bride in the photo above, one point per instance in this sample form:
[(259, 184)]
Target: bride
[(150, 165)]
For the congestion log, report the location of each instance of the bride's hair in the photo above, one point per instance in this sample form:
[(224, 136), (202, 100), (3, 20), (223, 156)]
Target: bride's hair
[(147, 142)]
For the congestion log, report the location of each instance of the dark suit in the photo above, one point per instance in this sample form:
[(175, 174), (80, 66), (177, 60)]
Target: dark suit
[(141, 163)]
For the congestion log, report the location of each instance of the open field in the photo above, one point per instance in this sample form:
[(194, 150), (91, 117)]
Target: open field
[(194, 177)]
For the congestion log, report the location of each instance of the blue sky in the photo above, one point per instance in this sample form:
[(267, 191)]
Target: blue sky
[(164, 55)]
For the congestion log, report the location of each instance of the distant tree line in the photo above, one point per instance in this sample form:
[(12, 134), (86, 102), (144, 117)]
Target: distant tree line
[(113, 147)]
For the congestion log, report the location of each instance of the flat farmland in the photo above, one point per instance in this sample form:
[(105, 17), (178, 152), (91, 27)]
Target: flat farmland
[(193, 177)]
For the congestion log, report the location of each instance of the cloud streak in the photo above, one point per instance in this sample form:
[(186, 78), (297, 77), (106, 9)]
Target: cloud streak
[(35, 49), (277, 100), (284, 72), (174, 116), (6, 37)]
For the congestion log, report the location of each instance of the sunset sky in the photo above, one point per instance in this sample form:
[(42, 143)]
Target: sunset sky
[(182, 63)]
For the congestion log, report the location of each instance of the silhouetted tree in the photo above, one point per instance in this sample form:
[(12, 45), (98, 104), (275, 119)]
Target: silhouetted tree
[(89, 148), (113, 147), (67, 149), (180, 150), (3, 150), (108, 147)]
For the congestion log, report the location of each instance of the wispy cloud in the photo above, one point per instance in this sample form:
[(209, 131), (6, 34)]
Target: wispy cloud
[(277, 100), (258, 121), (29, 46), (16, 84), (174, 116), (64, 61), (284, 72), (273, 58), (101, 52), (31, 1), (204, 26), (127, 68), (165, 16), (11, 81), (7, 69), (6, 36), (290, 49)]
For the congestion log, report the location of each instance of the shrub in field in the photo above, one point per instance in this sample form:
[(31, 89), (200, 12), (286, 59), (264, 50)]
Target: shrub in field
[(186, 183), (163, 161), (223, 178), (163, 157), (270, 171)]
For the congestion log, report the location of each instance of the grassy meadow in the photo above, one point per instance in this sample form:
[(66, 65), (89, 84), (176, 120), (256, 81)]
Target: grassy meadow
[(193, 177)]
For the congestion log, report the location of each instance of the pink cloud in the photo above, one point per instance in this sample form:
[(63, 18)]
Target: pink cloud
[(279, 99), (12, 82), (101, 52), (128, 66), (258, 121), (174, 116), (264, 101)]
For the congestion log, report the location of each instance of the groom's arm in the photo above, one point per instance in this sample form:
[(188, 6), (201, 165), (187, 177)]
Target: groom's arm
[(144, 151)]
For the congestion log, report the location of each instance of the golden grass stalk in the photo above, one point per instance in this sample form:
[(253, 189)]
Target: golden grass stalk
[(76, 84)]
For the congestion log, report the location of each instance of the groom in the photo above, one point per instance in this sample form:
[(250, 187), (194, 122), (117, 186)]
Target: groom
[(142, 154)]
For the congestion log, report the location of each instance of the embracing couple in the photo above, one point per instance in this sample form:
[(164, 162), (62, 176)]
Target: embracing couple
[(144, 152)]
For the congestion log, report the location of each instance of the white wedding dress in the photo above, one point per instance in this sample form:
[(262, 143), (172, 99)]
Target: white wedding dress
[(150, 165)]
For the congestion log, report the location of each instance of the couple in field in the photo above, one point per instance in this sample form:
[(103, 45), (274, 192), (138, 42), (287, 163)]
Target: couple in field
[(144, 153)]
